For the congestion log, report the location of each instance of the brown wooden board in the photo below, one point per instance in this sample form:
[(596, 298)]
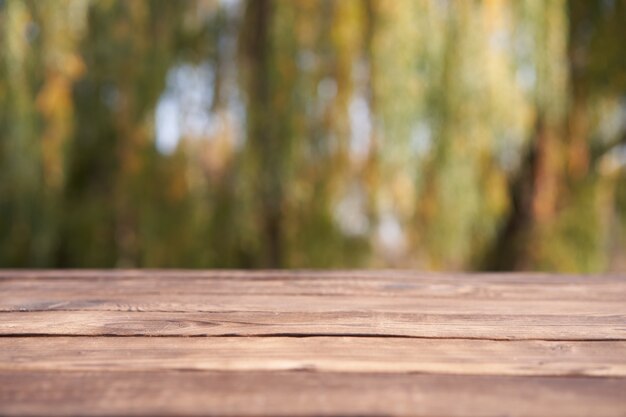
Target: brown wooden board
[(311, 343), (340, 354), (303, 393), (491, 326)]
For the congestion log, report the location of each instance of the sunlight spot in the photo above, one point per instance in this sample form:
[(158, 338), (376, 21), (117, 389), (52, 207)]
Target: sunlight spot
[(350, 213), (184, 108), (360, 127), (390, 233), (167, 125), (327, 89), (421, 139)]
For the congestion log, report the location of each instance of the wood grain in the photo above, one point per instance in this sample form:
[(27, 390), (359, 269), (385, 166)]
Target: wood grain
[(336, 354), (314, 293), (159, 393), (140, 342), (292, 275), (350, 323), (328, 284), (121, 299)]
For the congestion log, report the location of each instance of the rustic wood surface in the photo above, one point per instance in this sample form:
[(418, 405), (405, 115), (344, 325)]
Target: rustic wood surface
[(311, 343)]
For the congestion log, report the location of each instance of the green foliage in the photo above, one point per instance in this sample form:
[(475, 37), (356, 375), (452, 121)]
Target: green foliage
[(427, 134), (572, 245)]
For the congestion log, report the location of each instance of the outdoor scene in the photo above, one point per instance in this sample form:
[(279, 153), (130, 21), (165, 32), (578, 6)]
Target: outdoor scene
[(426, 134)]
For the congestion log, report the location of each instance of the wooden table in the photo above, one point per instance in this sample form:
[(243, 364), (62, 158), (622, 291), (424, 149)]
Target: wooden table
[(311, 343)]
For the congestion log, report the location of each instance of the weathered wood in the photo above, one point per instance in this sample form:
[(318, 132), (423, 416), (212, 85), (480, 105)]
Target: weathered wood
[(172, 302), (350, 323), (316, 293), (311, 343), (480, 286), (340, 354), (125, 393), (291, 275)]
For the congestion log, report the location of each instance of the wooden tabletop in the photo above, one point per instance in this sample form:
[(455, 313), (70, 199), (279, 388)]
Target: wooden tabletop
[(311, 343)]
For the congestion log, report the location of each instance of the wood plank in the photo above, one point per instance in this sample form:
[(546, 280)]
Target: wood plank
[(476, 326), (377, 342), (305, 394), (312, 293), (513, 289), (282, 275), (323, 354), (172, 302)]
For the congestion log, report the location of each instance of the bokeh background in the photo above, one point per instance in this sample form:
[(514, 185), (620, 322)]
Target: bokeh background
[(427, 134)]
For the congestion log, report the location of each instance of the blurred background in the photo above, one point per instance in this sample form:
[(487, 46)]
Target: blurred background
[(427, 134)]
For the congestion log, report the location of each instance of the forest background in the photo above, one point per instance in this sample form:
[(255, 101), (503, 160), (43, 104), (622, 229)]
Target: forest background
[(428, 134)]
